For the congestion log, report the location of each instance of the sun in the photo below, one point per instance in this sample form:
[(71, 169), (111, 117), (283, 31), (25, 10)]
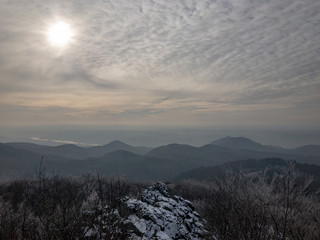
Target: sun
[(59, 34)]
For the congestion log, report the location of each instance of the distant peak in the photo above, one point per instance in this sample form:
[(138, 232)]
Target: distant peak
[(237, 142)]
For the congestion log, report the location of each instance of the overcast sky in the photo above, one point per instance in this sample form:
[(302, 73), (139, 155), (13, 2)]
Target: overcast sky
[(201, 63)]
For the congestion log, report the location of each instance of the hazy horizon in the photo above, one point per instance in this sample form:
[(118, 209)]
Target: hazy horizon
[(86, 136)]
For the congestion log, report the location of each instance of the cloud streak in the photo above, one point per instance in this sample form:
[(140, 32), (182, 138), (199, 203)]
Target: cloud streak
[(61, 141)]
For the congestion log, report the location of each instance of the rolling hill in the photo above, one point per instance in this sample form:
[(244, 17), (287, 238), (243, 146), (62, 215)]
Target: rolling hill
[(139, 163)]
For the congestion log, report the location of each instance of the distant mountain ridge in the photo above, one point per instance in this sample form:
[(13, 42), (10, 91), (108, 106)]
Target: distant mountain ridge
[(232, 149), (207, 154), (140, 163), (19, 162), (75, 152), (245, 144), (121, 163)]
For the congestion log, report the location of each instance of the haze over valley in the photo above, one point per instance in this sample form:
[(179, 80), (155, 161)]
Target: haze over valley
[(21, 159)]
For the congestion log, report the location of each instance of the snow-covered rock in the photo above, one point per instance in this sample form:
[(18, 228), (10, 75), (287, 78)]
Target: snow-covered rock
[(161, 216), (157, 215)]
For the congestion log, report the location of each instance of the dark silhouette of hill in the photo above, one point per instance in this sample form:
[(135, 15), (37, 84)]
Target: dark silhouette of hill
[(212, 154), (121, 163), (18, 162), (207, 155), (15, 162), (308, 150), (67, 150), (25, 145), (250, 166)]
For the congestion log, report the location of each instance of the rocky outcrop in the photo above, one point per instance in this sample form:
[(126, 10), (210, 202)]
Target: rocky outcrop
[(155, 215), (161, 216)]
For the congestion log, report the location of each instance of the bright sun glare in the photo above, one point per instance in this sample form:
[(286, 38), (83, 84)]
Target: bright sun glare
[(59, 34)]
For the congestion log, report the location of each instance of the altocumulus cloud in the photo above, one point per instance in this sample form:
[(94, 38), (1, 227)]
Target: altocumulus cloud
[(211, 62)]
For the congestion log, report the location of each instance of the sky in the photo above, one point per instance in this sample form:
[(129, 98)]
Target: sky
[(156, 63)]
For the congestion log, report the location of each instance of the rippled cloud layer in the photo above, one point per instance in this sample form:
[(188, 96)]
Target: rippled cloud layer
[(157, 62)]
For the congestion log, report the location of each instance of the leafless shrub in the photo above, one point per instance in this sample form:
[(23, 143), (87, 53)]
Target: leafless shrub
[(256, 206), (62, 208), (240, 206)]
